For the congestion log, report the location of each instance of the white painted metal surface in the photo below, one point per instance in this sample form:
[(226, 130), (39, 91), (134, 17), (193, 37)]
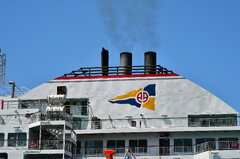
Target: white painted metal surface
[(175, 97)]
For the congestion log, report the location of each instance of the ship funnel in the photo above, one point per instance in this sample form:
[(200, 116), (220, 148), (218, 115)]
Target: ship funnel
[(104, 62), (150, 62), (126, 63)]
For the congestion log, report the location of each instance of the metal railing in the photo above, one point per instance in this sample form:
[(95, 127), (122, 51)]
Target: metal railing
[(6, 91), (45, 144), (152, 123), (118, 70), (206, 146), (212, 122), (52, 117), (49, 145), (164, 151), (84, 123), (35, 144), (218, 145), (120, 151), (183, 149), (137, 151)]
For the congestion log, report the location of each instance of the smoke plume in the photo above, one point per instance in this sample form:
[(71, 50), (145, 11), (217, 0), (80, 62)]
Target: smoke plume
[(130, 22)]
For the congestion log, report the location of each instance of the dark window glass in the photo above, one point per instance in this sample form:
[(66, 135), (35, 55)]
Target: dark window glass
[(117, 145), (78, 144), (12, 139), (187, 142), (78, 147), (142, 143), (1, 139), (178, 142), (111, 144), (120, 143), (182, 145), (76, 123), (17, 139), (138, 146), (133, 143), (3, 155), (84, 110), (94, 147), (22, 137), (164, 147), (61, 90)]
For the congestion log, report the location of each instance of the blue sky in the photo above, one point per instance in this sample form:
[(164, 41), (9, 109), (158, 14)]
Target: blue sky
[(199, 39)]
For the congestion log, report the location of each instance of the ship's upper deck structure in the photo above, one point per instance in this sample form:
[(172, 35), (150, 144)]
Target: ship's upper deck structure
[(149, 109)]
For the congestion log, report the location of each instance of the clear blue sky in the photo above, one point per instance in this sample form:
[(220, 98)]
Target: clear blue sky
[(199, 39)]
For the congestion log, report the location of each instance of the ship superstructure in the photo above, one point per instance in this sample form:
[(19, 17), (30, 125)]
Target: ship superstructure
[(148, 109)]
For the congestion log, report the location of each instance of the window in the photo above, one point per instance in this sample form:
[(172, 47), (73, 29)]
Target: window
[(138, 146), (78, 106), (182, 145), (3, 155), (117, 145), (77, 123), (212, 120), (17, 139), (164, 147), (204, 144), (61, 90), (84, 108), (94, 147), (1, 139), (31, 104), (228, 143), (133, 123), (2, 121), (78, 147)]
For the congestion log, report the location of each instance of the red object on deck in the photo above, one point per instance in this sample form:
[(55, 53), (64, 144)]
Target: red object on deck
[(109, 154)]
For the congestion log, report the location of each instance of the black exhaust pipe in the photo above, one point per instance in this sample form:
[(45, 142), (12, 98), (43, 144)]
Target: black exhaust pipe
[(126, 63), (150, 62), (104, 62)]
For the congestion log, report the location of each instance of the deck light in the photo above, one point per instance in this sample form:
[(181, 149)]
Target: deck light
[(164, 116), (128, 116), (13, 88)]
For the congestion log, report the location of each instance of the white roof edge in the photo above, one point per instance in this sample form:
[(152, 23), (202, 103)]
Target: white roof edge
[(155, 130), (114, 79)]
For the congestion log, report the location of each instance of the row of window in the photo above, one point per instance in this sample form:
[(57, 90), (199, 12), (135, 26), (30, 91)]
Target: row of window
[(93, 146), (14, 139), (193, 121), (141, 146), (79, 107), (212, 120)]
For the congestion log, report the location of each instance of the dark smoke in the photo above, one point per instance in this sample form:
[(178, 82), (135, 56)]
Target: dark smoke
[(131, 22)]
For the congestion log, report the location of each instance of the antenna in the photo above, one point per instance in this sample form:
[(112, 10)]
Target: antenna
[(2, 67)]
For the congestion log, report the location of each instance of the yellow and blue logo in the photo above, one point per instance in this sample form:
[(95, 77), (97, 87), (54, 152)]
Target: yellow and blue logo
[(144, 97)]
